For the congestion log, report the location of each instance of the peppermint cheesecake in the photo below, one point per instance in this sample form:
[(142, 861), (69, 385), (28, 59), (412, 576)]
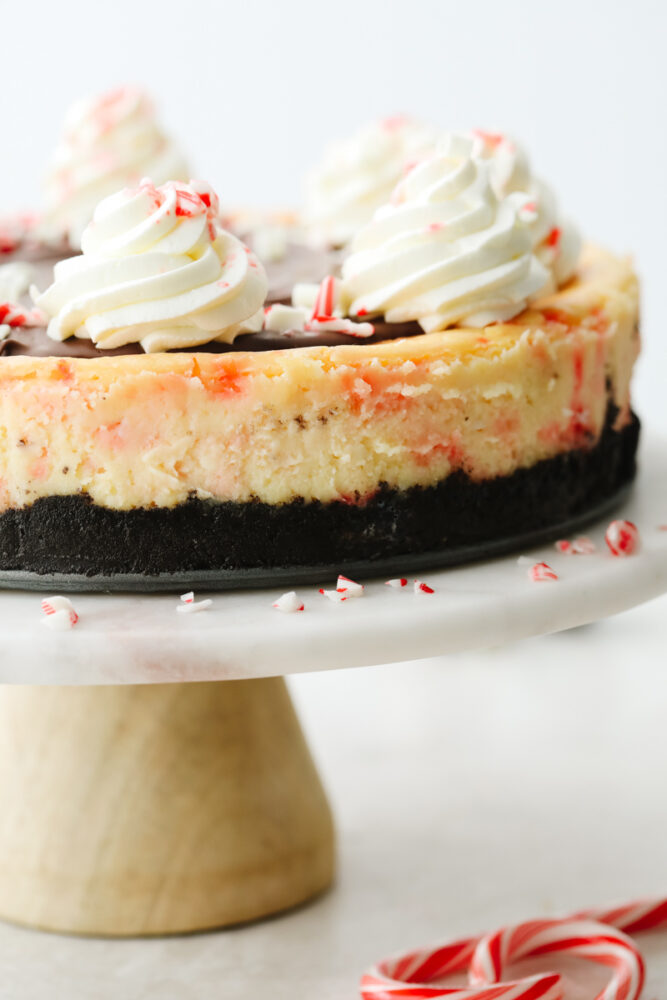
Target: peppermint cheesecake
[(462, 383)]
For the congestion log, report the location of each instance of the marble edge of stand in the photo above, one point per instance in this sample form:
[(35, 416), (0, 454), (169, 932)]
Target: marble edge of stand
[(444, 623)]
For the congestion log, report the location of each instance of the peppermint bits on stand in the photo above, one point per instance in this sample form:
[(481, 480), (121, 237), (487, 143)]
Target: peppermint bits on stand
[(189, 606), (349, 587), (541, 572), (622, 538), (345, 588), (336, 596), (581, 546), (59, 613), (289, 603), (401, 582)]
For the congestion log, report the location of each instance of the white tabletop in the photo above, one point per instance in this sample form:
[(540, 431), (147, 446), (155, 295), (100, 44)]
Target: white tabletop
[(469, 791)]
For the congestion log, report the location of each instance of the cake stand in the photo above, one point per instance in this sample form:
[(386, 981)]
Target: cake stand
[(135, 801)]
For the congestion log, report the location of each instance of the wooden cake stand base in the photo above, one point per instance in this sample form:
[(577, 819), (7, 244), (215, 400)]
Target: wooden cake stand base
[(157, 809)]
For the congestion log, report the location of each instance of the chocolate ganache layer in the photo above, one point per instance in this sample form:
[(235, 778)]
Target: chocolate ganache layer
[(34, 342)]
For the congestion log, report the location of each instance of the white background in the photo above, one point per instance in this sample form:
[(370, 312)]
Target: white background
[(514, 782), (253, 88)]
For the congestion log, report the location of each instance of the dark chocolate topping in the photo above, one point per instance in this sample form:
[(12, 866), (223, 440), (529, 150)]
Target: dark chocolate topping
[(32, 341), (301, 263)]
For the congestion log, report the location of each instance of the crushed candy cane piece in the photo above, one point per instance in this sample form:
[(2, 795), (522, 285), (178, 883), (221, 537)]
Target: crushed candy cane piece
[(349, 587), (60, 621), (192, 607), (397, 583), (188, 598), (52, 606), (337, 596), (327, 298), (327, 314), (288, 603), (422, 588), (282, 319), (583, 546), (622, 537), (12, 315), (540, 572), (336, 324)]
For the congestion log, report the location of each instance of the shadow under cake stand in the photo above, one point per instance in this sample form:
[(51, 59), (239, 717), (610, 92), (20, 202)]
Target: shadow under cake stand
[(136, 801)]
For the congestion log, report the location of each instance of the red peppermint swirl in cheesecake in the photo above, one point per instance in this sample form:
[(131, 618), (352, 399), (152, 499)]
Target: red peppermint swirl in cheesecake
[(156, 269), (556, 240), (445, 250), (108, 141)]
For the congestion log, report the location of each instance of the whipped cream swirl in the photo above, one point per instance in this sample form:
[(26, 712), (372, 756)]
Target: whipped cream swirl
[(357, 175), (445, 250), (108, 142), (555, 239), (156, 269)]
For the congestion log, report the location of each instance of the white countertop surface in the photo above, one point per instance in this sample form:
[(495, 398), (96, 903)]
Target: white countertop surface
[(469, 791)]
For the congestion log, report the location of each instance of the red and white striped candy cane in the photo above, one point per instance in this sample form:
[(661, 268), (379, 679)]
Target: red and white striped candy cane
[(633, 918), (598, 936), (588, 939)]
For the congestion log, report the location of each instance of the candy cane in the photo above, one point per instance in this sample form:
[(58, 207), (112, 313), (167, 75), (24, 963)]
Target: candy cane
[(633, 918), (588, 939), (599, 936)]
